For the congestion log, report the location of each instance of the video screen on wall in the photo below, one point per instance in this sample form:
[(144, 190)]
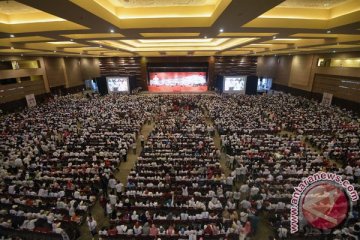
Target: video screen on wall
[(117, 84), (264, 84), (235, 84), (177, 82)]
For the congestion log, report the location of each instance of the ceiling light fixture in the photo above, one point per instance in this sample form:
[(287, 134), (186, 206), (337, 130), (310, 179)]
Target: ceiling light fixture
[(112, 30), (11, 47), (22, 55), (205, 36), (287, 39), (100, 45), (328, 31), (54, 51), (334, 51), (274, 37), (221, 30), (71, 40), (12, 35)]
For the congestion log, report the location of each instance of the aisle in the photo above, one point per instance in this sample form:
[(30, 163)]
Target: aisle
[(122, 174), (125, 167), (264, 229), (217, 142)]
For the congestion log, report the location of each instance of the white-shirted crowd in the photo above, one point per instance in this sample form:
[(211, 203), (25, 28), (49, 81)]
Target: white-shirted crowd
[(177, 189), (59, 158), (55, 160), (267, 140)]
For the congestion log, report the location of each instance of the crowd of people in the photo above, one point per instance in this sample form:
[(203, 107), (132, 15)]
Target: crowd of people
[(55, 157), (58, 159), (274, 142), (177, 188)]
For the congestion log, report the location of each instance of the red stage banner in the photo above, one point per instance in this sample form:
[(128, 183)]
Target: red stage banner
[(177, 82)]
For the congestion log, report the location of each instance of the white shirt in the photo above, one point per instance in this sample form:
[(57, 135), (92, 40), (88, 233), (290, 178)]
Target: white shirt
[(119, 187), (92, 225)]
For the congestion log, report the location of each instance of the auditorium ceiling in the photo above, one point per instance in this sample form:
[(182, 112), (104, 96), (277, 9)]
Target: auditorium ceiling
[(178, 27)]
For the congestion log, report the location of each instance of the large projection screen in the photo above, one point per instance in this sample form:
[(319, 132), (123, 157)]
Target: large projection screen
[(264, 84), (235, 84), (177, 82), (118, 84)]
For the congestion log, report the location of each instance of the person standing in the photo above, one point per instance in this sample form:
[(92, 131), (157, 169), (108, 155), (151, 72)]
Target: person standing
[(92, 226), (142, 140), (124, 154)]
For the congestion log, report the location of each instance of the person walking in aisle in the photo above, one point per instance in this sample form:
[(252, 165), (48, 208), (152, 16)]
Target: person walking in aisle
[(142, 139), (92, 224)]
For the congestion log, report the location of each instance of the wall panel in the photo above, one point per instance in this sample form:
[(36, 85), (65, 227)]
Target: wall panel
[(122, 66), (236, 65), (283, 70), (301, 67), (55, 71), (73, 72), (266, 66), (90, 68), (341, 87)]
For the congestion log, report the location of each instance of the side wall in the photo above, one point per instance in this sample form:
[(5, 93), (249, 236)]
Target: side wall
[(54, 73), (301, 72)]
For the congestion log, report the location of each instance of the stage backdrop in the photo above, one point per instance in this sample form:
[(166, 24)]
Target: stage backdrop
[(177, 82)]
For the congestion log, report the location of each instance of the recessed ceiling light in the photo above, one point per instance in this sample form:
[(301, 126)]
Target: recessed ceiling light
[(205, 36), (334, 51), (71, 40), (11, 47), (221, 30), (274, 37), (287, 39), (12, 35), (54, 51), (328, 31), (22, 55), (100, 45), (112, 30)]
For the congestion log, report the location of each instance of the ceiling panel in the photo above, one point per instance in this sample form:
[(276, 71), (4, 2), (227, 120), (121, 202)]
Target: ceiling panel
[(177, 27)]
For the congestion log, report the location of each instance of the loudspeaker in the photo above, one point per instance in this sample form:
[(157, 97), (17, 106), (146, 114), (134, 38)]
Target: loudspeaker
[(251, 85), (102, 85)]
